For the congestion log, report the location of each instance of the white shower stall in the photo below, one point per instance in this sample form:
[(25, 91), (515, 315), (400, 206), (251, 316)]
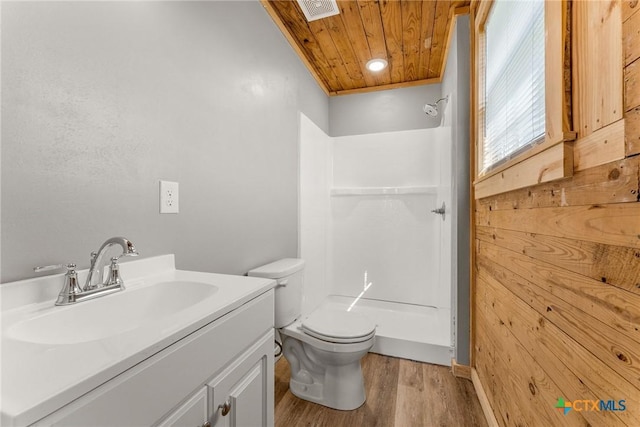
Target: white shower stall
[(370, 238)]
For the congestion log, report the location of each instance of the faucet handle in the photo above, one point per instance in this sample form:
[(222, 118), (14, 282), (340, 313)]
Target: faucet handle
[(114, 270), (71, 288), (114, 274), (70, 267)]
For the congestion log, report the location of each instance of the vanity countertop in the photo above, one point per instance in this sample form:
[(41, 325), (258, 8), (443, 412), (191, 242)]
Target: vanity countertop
[(41, 375)]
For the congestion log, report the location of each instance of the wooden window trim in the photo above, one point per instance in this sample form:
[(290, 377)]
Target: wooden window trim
[(552, 159)]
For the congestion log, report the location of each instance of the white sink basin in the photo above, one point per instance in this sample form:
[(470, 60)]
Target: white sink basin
[(111, 315)]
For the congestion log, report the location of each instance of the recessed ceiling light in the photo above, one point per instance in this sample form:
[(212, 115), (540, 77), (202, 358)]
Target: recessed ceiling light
[(376, 64)]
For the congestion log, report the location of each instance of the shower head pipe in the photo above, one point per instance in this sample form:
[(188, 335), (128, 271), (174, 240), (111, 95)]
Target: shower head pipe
[(432, 109)]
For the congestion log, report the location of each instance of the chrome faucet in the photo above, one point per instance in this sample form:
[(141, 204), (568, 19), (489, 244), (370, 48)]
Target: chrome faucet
[(95, 285), (95, 279)]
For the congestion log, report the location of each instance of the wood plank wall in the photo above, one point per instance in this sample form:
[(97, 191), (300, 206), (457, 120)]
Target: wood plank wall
[(556, 299)]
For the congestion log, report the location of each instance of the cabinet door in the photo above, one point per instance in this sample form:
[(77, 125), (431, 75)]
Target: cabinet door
[(242, 395), (192, 413)]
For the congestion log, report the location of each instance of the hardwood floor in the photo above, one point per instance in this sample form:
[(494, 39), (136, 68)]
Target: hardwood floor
[(400, 393)]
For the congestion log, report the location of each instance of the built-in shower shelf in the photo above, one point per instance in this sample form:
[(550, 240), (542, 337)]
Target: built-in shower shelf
[(383, 191)]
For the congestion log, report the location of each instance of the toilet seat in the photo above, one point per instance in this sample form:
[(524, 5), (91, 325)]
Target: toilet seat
[(338, 326)]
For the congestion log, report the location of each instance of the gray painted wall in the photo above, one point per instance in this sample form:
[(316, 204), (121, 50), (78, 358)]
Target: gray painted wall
[(456, 82), (100, 100), (382, 111)]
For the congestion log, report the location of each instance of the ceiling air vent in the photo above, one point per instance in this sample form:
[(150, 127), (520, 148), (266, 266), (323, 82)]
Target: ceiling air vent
[(318, 9)]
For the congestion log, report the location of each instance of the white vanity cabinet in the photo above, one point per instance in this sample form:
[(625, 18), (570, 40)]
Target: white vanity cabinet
[(228, 361)]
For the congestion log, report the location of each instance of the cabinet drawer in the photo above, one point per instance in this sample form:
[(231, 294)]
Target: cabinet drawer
[(141, 395)]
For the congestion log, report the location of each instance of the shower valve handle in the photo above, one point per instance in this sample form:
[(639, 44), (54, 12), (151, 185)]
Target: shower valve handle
[(440, 211)]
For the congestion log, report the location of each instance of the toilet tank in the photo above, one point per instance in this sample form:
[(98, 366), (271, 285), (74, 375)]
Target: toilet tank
[(288, 273)]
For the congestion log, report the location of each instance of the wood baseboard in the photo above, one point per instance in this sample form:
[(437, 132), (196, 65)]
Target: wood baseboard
[(484, 401), (460, 371)]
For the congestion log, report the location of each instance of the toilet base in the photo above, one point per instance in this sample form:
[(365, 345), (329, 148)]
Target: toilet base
[(341, 387), (330, 379)]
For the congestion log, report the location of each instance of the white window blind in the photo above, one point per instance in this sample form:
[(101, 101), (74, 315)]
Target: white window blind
[(514, 79)]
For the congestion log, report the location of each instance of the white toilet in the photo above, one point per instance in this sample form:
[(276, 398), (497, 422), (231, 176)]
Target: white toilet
[(324, 348)]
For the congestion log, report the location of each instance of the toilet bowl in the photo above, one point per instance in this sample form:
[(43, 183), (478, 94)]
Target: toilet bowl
[(323, 348)]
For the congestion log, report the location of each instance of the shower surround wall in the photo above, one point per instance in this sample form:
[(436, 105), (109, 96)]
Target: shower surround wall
[(314, 211), (371, 242), (384, 240)]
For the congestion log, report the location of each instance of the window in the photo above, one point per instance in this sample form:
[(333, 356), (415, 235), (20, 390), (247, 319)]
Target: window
[(521, 96), (514, 83)]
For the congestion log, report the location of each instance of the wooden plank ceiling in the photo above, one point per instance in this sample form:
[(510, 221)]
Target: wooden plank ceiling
[(412, 35)]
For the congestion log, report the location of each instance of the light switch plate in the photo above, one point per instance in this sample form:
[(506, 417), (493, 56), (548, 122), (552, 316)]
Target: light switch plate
[(169, 197)]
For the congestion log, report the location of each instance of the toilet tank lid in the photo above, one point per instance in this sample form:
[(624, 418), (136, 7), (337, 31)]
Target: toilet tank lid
[(281, 268)]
